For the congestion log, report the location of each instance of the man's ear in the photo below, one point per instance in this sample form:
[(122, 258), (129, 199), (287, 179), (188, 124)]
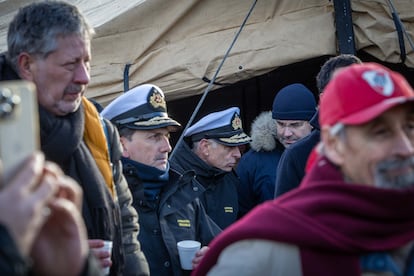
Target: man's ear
[(203, 147), (333, 146), (124, 143), (25, 64)]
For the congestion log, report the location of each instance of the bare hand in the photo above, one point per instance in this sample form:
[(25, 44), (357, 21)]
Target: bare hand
[(61, 247), (199, 255), (103, 256), (24, 198)]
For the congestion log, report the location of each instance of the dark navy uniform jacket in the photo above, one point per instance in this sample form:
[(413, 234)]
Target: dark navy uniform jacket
[(176, 215), (220, 198)]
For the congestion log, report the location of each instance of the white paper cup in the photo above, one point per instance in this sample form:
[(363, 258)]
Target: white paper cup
[(107, 247), (187, 250)]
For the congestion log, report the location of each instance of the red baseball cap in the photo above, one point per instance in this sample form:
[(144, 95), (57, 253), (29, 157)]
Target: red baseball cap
[(361, 92)]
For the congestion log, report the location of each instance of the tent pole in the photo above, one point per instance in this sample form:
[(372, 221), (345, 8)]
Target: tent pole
[(344, 27), (126, 77)]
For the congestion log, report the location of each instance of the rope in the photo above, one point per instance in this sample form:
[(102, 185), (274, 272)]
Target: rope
[(212, 81), (394, 12)]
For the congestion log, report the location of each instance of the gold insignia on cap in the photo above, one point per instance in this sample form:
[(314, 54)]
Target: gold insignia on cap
[(239, 138), (153, 121), (236, 122), (157, 100)]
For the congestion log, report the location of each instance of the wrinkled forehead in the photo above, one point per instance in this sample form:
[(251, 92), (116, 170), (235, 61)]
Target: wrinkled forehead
[(70, 46)]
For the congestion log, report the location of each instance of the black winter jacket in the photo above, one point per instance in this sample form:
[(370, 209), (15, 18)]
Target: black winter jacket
[(176, 215), (220, 199), (292, 164)]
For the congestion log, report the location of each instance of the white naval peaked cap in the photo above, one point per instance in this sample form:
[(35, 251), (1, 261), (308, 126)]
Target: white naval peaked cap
[(224, 126), (142, 107)]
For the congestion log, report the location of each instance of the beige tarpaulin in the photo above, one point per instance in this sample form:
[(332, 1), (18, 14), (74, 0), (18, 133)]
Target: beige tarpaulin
[(176, 43)]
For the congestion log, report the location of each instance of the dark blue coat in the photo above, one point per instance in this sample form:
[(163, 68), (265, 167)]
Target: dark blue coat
[(257, 172), (257, 167)]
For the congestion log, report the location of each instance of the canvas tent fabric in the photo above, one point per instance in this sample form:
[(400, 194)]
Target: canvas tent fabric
[(175, 43)]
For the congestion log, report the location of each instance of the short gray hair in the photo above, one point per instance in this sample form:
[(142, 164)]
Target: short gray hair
[(37, 26), (338, 130), (196, 145)]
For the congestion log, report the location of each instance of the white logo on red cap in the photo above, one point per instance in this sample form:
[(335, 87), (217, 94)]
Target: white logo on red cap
[(380, 81)]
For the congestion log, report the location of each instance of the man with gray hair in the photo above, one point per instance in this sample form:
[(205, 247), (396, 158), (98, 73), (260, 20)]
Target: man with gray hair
[(49, 44), (211, 148)]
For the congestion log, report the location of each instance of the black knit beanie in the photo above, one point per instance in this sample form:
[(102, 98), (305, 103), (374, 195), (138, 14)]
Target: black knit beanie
[(294, 102)]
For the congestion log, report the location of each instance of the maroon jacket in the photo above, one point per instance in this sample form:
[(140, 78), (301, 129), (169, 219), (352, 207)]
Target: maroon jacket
[(332, 222)]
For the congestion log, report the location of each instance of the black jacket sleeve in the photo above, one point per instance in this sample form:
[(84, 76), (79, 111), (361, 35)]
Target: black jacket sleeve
[(11, 261)]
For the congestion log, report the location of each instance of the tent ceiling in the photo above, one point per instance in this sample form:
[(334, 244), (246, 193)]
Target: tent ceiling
[(176, 43)]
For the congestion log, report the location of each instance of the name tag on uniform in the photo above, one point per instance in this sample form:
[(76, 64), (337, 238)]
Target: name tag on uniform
[(184, 223)]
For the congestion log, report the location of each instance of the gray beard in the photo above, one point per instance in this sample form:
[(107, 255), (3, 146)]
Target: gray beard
[(386, 177)]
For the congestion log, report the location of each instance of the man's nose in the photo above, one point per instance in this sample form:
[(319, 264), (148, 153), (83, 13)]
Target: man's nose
[(403, 145), (166, 146), (287, 131), (236, 152)]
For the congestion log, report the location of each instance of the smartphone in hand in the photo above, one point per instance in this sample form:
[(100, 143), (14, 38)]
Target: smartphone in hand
[(19, 122)]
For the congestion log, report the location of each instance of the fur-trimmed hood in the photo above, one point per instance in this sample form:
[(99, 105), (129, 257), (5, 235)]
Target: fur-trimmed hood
[(263, 133)]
